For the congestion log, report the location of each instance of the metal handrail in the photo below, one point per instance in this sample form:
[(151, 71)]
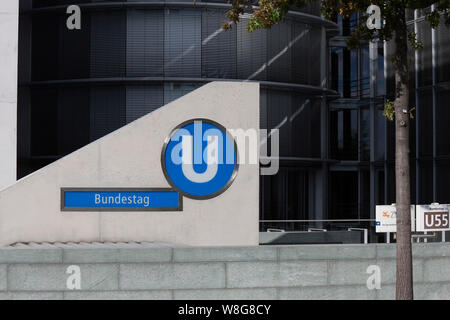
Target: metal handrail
[(366, 233), (320, 220)]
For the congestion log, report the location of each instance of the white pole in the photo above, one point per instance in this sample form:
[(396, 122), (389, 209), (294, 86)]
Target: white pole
[(9, 13)]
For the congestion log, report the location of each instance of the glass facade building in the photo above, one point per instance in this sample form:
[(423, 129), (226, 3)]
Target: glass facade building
[(336, 148)]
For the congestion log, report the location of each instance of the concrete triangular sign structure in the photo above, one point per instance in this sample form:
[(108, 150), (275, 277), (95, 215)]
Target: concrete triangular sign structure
[(32, 209)]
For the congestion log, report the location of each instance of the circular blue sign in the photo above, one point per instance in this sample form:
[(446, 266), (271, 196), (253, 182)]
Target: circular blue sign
[(200, 159)]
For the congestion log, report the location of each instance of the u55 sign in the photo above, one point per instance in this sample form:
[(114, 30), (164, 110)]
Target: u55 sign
[(433, 218)]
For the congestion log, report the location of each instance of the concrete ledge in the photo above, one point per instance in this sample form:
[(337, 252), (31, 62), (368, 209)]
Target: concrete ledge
[(172, 276), (264, 272), (327, 252), (129, 255), (31, 255), (225, 254)]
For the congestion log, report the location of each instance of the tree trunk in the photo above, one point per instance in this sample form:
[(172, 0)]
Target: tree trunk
[(404, 283)]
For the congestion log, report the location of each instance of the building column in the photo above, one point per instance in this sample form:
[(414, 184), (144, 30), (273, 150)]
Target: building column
[(434, 65), (322, 207), (373, 55), (9, 25)]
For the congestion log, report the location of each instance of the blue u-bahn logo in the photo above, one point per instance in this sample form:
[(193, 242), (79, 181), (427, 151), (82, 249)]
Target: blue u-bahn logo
[(200, 159)]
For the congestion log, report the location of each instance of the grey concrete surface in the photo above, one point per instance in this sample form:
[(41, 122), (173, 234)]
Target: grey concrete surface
[(264, 272), (9, 30), (30, 210)]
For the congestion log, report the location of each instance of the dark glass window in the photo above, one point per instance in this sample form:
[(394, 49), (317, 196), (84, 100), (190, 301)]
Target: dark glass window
[(390, 79), (390, 141), (285, 196), (44, 122), (443, 123), (364, 192), (365, 73), (48, 3), (44, 52), (409, 14), (381, 83), (425, 182), (443, 178), (364, 143), (425, 59), (345, 72), (390, 185), (343, 195), (413, 179), (344, 134), (347, 25), (425, 122), (305, 127), (443, 52), (380, 134), (335, 56), (297, 118), (380, 196)]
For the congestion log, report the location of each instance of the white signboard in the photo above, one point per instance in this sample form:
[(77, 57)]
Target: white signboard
[(434, 217), (386, 219)]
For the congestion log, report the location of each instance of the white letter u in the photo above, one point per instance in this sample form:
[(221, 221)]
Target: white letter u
[(187, 160)]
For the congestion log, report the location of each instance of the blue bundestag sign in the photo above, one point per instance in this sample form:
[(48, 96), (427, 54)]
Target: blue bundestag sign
[(199, 160), (120, 199)]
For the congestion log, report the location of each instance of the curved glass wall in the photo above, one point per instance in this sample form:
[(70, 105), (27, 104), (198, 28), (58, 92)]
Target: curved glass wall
[(124, 63), (129, 59)]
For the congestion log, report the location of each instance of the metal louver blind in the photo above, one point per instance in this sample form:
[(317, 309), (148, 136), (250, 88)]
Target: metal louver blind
[(263, 110), (182, 43), (73, 119), (108, 44), (443, 52), (145, 43), (279, 52), (173, 91), (107, 110), (314, 56), (44, 48), (218, 46), (142, 100), (425, 59), (251, 53), (305, 122), (300, 59), (279, 111), (425, 111), (74, 50)]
